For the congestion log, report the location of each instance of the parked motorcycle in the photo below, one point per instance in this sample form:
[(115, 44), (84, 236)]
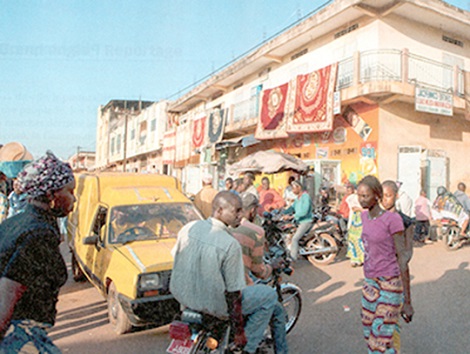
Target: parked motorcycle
[(450, 234), (319, 245), (196, 332)]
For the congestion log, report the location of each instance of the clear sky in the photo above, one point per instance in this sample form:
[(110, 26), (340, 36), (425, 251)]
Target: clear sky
[(61, 59)]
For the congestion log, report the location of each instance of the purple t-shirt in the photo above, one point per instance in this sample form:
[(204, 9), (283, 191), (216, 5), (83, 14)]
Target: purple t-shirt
[(380, 258)]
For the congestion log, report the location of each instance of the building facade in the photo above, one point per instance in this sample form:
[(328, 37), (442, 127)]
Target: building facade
[(360, 87), (82, 161)]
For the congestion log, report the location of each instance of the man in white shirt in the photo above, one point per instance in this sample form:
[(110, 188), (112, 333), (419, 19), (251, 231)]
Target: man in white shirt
[(208, 273), (404, 203)]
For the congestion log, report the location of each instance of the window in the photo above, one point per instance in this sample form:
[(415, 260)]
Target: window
[(346, 31), (452, 41), (149, 221), (112, 146), (100, 221), (153, 125), (299, 54), (118, 144), (132, 134)]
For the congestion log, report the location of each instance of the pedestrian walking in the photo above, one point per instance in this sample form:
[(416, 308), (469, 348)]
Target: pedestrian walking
[(32, 269), (423, 218), (203, 199), (16, 199), (386, 290), (355, 251)]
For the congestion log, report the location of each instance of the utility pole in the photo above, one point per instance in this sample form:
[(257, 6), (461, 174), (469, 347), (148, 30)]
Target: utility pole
[(124, 143), (78, 157)]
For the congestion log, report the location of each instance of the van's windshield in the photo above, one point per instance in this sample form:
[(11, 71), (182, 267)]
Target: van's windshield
[(149, 221)]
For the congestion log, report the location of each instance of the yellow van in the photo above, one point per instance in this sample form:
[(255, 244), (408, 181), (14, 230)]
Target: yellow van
[(121, 232)]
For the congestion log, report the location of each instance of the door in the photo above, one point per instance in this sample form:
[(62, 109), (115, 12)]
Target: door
[(326, 173), (409, 169), (438, 172)]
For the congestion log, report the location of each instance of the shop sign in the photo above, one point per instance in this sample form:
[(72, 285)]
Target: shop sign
[(337, 102), (431, 101)]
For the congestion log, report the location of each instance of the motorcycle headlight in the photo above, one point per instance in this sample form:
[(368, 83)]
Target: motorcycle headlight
[(149, 281)]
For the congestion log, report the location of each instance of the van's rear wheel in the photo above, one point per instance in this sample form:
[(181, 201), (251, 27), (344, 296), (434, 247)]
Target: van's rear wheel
[(77, 273), (117, 316)]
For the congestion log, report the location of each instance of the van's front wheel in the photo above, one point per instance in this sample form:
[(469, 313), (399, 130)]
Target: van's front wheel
[(117, 316)]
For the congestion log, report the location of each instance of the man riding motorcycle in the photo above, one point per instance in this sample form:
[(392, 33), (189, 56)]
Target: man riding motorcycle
[(448, 206), (302, 213), (251, 238), (208, 274)]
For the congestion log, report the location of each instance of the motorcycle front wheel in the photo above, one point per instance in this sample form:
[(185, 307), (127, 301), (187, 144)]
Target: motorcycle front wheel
[(292, 303), (319, 242), (452, 238)]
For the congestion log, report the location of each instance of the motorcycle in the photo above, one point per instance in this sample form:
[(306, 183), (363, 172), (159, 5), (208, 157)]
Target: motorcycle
[(319, 245), (450, 234), (197, 332)]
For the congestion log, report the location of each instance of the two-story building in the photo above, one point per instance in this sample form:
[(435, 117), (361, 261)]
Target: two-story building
[(358, 87)]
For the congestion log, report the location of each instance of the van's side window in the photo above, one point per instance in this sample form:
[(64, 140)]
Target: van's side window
[(100, 221)]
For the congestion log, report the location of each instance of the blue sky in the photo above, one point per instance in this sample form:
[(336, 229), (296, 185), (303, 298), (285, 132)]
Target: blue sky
[(60, 60)]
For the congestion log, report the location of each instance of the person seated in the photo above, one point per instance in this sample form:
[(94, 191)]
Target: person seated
[(289, 195), (462, 197), (251, 238), (208, 274), (302, 213), (269, 199), (447, 205), (121, 222)]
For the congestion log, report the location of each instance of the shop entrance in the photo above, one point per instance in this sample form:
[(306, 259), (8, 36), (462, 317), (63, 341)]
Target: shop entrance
[(419, 168), (326, 173)]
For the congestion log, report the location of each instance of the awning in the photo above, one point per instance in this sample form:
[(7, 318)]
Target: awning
[(244, 141)]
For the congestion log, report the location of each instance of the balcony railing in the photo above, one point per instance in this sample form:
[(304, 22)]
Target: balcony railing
[(383, 65), (393, 65)]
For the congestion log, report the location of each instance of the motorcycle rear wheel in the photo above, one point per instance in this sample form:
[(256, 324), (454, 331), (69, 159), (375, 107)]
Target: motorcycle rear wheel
[(452, 238), (323, 240), (200, 347)]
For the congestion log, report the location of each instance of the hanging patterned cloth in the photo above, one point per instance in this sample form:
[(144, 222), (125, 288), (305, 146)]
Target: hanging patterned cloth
[(198, 132), (274, 109), (314, 98), (216, 126)]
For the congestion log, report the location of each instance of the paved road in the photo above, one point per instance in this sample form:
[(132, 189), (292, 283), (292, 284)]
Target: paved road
[(330, 320)]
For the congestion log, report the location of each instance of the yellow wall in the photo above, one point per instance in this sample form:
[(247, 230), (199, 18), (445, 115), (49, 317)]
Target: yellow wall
[(358, 156)]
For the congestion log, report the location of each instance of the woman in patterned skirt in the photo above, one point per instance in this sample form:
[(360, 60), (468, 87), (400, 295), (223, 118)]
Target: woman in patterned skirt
[(386, 290)]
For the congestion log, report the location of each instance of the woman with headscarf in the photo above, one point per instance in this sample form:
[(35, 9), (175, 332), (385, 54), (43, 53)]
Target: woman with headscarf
[(32, 269)]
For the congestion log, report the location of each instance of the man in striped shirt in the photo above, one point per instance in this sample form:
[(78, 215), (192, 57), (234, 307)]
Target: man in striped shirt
[(251, 238)]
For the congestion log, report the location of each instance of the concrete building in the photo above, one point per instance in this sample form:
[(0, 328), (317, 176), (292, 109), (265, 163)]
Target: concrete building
[(115, 130), (398, 102), (401, 97), (82, 161)]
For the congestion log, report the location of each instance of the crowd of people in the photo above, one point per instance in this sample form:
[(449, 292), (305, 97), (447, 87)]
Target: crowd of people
[(380, 238), (383, 224), (218, 259)]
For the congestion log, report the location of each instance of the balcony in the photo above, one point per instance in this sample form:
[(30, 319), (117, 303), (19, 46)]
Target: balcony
[(400, 66), (375, 75)]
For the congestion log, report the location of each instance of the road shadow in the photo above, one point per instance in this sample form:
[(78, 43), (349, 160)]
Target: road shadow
[(439, 325), (79, 319)]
